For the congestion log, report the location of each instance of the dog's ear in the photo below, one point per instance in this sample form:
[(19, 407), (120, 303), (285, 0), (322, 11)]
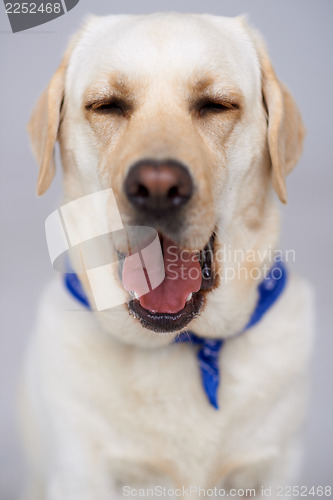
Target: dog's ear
[(44, 124), (285, 127)]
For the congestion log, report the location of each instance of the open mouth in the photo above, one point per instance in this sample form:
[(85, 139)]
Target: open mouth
[(179, 298)]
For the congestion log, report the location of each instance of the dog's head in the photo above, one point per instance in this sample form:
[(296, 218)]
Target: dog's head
[(184, 118)]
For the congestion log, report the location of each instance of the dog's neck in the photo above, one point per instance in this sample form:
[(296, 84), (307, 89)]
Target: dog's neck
[(269, 291)]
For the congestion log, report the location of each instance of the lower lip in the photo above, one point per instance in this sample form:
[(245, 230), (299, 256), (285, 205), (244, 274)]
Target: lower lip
[(166, 322)]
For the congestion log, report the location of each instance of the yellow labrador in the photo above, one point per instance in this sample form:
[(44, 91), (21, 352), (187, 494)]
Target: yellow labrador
[(183, 117)]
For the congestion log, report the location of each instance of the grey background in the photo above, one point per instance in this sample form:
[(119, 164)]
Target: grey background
[(299, 36)]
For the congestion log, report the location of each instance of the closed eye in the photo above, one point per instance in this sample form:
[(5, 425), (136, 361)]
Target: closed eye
[(215, 107), (114, 107)]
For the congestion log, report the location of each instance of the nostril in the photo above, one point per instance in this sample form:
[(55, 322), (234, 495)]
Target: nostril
[(142, 191), (175, 197), (173, 193), (138, 194)]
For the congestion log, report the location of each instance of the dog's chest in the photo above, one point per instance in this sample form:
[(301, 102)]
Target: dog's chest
[(150, 416), (142, 414)]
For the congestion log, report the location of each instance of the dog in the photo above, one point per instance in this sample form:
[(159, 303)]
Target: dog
[(183, 117)]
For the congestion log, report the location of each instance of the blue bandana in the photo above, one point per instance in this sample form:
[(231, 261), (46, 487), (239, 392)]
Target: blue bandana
[(209, 349)]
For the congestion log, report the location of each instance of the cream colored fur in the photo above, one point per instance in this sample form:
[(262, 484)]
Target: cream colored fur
[(105, 402)]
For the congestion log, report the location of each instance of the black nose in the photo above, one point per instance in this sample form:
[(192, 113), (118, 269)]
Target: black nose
[(158, 185)]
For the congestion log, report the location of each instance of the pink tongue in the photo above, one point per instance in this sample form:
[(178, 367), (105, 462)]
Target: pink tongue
[(182, 276)]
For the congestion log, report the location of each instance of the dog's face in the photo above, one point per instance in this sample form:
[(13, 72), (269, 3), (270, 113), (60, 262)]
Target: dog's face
[(183, 117)]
